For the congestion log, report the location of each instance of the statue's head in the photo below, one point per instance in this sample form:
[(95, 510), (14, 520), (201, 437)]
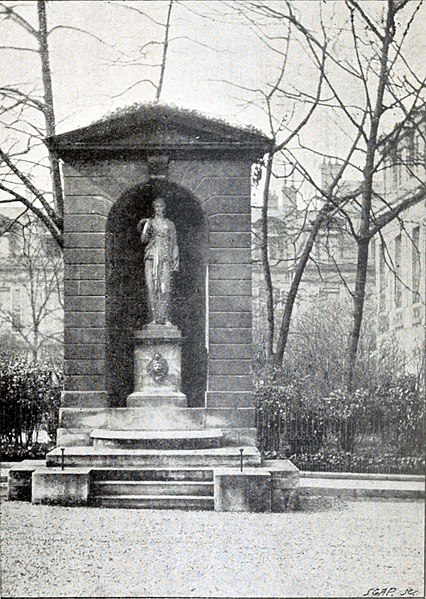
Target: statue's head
[(159, 205)]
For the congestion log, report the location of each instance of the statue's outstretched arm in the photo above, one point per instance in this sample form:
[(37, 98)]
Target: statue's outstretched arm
[(174, 248), (145, 223)]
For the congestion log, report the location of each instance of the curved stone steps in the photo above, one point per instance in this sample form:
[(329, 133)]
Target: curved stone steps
[(166, 488), (119, 458), (155, 502), (162, 439)]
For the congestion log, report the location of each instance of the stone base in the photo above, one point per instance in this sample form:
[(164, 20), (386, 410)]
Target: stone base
[(246, 491), (157, 360), (19, 479), (285, 484), (54, 486), (139, 399)]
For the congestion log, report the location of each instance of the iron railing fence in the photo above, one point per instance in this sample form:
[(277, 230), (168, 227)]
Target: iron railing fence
[(363, 442)]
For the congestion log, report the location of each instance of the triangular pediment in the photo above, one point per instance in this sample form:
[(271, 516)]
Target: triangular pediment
[(158, 126)]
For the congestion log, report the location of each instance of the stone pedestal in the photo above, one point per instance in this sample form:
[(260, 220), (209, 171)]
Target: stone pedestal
[(246, 491), (157, 367), (285, 484)]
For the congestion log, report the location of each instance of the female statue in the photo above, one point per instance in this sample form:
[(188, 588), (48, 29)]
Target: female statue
[(161, 258)]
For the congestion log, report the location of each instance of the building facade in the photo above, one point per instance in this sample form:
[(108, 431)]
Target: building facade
[(31, 287), (329, 275), (400, 250)]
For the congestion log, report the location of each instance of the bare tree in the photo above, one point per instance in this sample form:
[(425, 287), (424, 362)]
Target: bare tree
[(17, 179), (378, 70), (36, 317)]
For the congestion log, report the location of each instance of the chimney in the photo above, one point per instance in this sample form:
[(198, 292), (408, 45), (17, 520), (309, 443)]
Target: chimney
[(329, 170)]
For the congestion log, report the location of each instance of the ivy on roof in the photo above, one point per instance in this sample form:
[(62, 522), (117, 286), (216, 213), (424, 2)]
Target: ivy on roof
[(151, 111)]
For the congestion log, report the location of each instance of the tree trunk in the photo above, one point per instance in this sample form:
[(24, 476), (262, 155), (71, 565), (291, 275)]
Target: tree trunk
[(264, 254), (358, 306), (368, 174), (294, 287), (164, 58), (49, 114)]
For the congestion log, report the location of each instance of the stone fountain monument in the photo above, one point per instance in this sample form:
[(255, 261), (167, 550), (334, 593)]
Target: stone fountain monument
[(158, 405)]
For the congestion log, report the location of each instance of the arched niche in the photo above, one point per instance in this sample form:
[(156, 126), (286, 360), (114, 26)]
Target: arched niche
[(126, 304)]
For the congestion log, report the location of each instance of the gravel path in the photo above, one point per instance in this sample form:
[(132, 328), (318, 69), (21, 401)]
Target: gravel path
[(341, 551)]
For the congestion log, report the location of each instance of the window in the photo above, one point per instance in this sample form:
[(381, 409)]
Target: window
[(415, 265), (398, 269), (4, 298), (373, 254), (382, 281), (4, 245), (16, 309)]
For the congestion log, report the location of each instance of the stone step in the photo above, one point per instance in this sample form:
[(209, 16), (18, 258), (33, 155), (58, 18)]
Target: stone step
[(169, 488), (177, 439), (152, 474), (3, 490), (155, 502), (91, 457), (156, 400)]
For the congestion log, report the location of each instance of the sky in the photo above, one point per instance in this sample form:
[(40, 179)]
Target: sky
[(210, 46)]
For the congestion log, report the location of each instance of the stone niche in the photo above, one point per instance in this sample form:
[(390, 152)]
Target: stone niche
[(112, 171)]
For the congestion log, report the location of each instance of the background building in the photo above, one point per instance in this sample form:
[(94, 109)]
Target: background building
[(401, 248), (31, 286), (331, 269)]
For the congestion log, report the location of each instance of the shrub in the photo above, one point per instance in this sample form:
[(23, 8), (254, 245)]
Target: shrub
[(324, 461), (29, 404)]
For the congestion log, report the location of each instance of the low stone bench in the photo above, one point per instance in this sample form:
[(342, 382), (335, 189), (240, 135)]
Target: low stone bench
[(19, 479), (285, 484), (54, 486), (242, 491)]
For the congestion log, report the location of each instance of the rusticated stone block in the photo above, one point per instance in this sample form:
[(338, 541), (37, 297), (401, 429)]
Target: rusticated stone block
[(84, 319), (95, 204), (73, 382), (84, 256), (230, 271), (230, 240), (230, 256), (84, 366), (230, 383), (227, 205), (85, 240), (207, 187), (87, 187), (221, 367), (71, 272), (230, 222), (222, 336), (70, 288), (85, 303), (230, 288), (84, 222), (79, 351), (230, 417), (246, 491), (235, 399), (92, 271), (230, 351), (85, 336), (92, 288), (230, 303), (234, 320)]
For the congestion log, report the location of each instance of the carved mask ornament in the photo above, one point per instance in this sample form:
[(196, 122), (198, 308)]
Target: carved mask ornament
[(158, 368)]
